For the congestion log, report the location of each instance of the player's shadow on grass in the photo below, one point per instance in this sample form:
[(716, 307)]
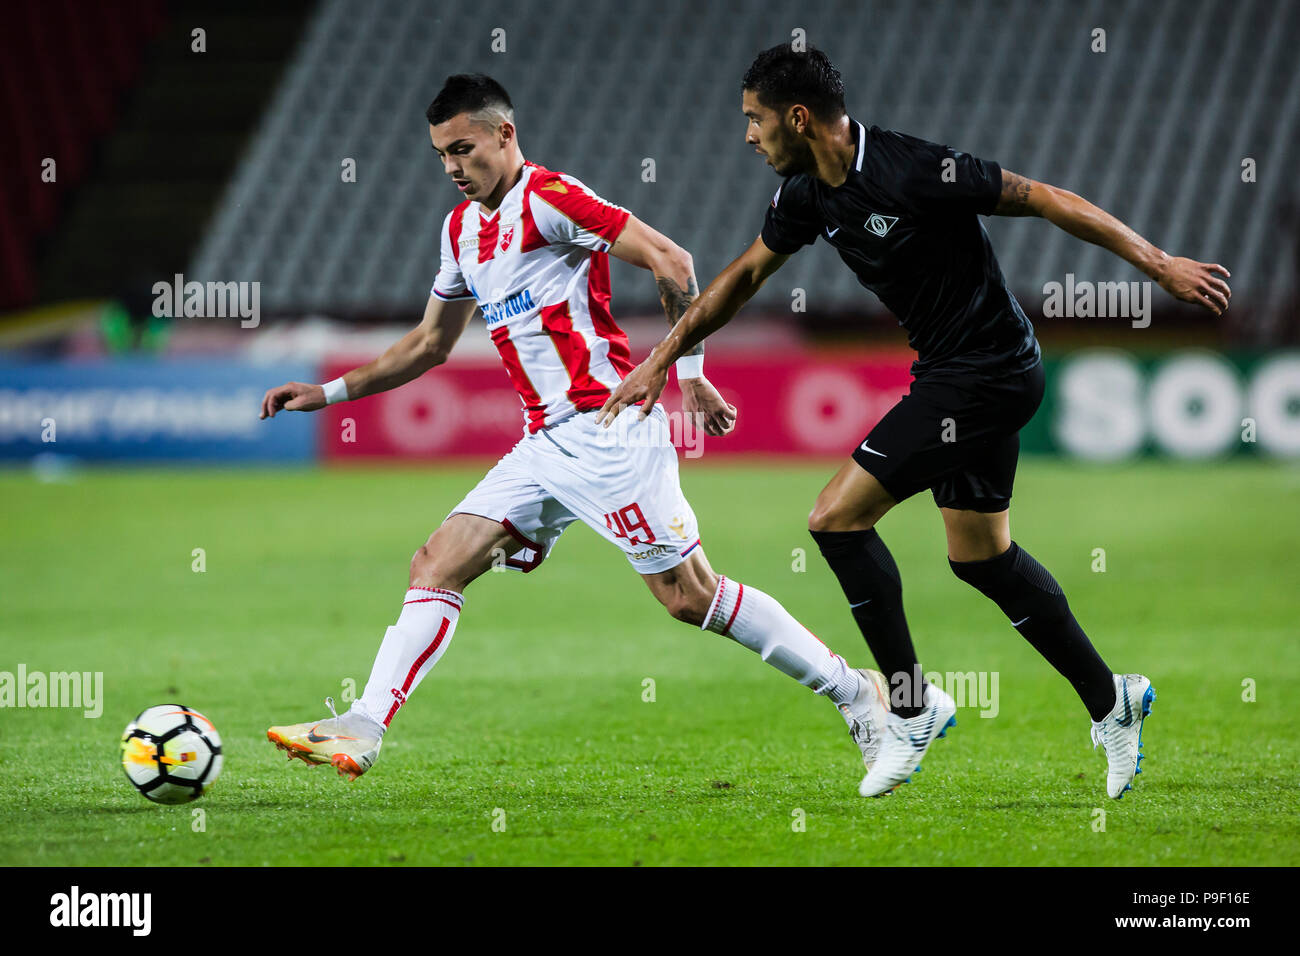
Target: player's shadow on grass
[(107, 811), (1074, 804)]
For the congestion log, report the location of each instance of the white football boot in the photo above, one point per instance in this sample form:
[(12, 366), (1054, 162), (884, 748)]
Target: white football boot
[(905, 742), (866, 715), (1119, 733), (349, 742)]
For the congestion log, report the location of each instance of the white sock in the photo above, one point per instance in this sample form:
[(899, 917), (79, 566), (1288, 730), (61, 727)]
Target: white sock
[(758, 621), (410, 649)]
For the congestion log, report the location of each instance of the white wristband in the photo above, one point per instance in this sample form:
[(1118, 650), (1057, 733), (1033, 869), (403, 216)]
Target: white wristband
[(336, 391), (690, 366)]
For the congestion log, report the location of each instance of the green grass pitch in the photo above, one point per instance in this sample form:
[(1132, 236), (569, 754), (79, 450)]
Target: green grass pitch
[(535, 718)]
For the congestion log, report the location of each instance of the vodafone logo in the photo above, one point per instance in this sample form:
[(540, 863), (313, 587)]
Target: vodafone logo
[(830, 409), (456, 410)]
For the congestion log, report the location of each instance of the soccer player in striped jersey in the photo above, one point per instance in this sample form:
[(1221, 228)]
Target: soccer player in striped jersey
[(528, 247), (903, 214)]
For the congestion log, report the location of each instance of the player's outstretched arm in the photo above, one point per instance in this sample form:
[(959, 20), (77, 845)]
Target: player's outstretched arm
[(710, 311), (424, 347), (674, 273), (1186, 279)]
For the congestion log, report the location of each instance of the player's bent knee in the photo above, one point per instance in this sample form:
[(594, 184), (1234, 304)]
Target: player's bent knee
[(422, 565), (820, 518), (688, 605), (688, 611), (430, 569), (833, 516)]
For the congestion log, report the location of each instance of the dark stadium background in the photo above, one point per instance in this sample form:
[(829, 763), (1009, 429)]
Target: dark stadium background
[(149, 139)]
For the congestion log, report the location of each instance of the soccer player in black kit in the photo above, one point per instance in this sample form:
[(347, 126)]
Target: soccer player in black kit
[(903, 214)]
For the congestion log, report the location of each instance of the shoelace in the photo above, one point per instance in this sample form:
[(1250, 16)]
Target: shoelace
[(329, 702), (857, 728), (859, 731)]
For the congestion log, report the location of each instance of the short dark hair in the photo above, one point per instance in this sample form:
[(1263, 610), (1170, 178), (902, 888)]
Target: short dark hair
[(468, 93), (783, 76)]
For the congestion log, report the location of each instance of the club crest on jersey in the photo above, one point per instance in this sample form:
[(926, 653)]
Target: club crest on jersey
[(506, 235), (879, 225)]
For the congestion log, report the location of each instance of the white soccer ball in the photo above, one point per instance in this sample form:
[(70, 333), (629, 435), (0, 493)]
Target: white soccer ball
[(171, 753)]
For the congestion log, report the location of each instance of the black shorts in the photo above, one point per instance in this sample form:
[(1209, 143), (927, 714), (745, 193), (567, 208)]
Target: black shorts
[(956, 434)]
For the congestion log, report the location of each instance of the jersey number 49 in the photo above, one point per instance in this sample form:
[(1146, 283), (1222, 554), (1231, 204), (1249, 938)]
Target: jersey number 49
[(628, 523)]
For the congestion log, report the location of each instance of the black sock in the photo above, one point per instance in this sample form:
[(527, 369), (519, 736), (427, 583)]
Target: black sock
[(1032, 600), (869, 578)]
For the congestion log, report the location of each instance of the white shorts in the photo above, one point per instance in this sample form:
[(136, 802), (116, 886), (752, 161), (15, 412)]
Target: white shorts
[(621, 481)]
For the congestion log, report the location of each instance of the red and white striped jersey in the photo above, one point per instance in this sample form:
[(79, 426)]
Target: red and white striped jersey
[(539, 269)]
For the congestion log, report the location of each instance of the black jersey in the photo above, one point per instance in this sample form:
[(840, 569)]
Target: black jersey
[(906, 221)]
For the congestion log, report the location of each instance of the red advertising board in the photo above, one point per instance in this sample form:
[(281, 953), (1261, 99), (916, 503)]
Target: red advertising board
[(794, 403)]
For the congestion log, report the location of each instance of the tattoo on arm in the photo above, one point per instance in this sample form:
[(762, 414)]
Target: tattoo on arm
[(676, 300), (1014, 200)]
